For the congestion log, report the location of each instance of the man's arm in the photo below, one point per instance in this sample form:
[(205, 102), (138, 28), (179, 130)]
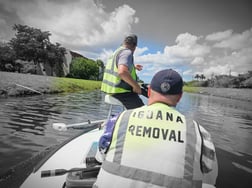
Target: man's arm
[(124, 74), (124, 62)]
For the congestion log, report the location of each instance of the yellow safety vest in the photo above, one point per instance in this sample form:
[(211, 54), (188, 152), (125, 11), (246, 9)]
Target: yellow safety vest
[(112, 83), (154, 146)]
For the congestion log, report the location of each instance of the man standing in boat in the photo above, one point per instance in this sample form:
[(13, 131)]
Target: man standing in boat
[(120, 78), (157, 146)]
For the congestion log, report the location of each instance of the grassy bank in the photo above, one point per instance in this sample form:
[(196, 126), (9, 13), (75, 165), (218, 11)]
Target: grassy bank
[(191, 89), (72, 85), (14, 84)]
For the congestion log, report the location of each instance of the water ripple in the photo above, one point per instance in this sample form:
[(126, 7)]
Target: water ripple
[(26, 124)]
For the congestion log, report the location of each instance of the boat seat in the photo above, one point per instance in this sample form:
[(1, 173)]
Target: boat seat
[(112, 100)]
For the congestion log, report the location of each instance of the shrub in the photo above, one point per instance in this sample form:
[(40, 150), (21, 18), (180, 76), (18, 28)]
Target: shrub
[(84, 69)]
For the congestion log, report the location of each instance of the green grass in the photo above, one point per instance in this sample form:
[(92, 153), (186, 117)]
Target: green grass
[(190, 89), (73, 85)]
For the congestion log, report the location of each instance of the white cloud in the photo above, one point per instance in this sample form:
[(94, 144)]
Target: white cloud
[(191, 55), (194, 56), (115, 26), (219, 35), (187, 47), (237, 41), (86, 27), (197, 61), (139, 51), (234, 54), (186, 50), (216, 70), (237, 62), (79, 24)]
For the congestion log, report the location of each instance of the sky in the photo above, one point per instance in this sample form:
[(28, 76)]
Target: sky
[(210, 37)]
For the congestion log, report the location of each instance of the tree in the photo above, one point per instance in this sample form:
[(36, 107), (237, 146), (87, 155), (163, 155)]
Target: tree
[(7, 58), (54, 57), (202, 77), (32, 44), (84, 69), (101, 68), (197, 76)]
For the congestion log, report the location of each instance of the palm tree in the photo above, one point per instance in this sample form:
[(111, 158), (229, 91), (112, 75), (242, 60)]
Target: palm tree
[(197, 76), (202, 77)]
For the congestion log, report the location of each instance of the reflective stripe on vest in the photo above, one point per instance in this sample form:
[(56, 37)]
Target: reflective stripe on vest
[(112, 83), (115, 167)]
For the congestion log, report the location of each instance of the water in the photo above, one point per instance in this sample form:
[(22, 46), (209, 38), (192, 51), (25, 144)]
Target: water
[(25, 128), (25, 123), (230, 124)]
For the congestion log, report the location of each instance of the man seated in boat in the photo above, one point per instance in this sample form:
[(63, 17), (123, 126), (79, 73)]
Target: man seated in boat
[(157, 146), (120, 79)]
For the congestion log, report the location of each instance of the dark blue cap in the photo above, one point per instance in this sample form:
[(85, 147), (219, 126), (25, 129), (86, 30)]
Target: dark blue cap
[(167, 82)]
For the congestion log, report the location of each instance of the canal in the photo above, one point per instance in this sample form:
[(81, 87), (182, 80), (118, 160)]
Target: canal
[(25, 128)]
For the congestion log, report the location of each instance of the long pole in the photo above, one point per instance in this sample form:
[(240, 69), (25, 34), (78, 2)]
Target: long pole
[(59, 172), (29, 89)]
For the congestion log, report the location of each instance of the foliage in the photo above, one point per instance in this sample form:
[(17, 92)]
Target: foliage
[(202, 76), (55, 56), (31, 44), (223, 81), (84, 69), (101, 68), (247, 83), (7, 58), (32, 47), (100, 63)]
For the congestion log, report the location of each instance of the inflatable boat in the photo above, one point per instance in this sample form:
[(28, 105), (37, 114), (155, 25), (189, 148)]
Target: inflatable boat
[(72, 164)]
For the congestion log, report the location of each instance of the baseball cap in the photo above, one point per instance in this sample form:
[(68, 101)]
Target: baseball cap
[(131, 39), (166, 82)]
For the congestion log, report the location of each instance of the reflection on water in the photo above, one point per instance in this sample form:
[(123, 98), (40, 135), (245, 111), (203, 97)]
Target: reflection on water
[(229, 121), (25, 127), (230, 124), (25, 123)]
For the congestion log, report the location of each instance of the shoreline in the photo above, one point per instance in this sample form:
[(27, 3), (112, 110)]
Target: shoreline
[(22, 85), (17, 85), (230, 93)]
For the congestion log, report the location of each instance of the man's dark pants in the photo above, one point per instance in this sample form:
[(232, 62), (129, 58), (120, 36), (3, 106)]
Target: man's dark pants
[(130, 100)]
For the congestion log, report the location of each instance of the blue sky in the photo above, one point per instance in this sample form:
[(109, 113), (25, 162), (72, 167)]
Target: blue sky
[(209, 37)]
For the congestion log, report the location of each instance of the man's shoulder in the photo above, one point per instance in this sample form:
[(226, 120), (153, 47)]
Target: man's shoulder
[(125, 57), (125, 52)]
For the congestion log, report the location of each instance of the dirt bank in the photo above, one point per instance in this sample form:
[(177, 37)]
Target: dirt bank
[(14, 84), (232, 93)]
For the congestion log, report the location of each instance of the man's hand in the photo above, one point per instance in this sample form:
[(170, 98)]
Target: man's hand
[(137, 89), (139, 67)]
